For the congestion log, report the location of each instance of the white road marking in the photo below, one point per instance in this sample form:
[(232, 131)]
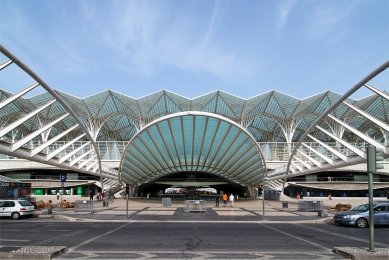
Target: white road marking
[(341, 235), (296, 237), (200, 255), (15, 240), (97, 237)]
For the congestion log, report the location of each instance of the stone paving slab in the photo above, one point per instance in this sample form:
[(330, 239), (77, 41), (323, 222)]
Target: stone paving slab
[(114, 212), (148, 212), (160, 209), (234, 213), (357, 253), (272, 213), (227, 209)]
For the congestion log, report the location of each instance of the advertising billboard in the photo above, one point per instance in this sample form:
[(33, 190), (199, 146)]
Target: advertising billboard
[(14, 190)]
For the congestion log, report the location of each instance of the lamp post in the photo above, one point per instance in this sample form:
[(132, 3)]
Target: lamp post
[(263, 197), (372, 167), (127, 194)]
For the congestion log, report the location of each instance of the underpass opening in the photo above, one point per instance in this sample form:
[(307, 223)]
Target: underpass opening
[(191, 185), (198, 143)]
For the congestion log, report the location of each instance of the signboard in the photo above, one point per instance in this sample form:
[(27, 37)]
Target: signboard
[(62, 177), (80, 190), (14, 190)]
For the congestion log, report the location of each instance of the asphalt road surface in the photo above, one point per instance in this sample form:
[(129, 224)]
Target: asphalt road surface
[(173, 240)]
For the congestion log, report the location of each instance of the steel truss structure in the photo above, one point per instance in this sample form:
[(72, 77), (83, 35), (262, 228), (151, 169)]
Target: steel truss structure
[(31, 130), (361, 122), (59, 129)]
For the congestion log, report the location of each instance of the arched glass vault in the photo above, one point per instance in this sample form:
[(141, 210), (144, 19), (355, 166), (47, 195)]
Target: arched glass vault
[(193, 142)]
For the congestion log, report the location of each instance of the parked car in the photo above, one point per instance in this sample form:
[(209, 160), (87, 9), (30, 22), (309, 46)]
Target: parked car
[(359, 216), (16, 208)]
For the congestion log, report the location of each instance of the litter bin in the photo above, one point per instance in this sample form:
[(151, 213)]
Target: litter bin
[(166, 202), (284, 204), (105, 203)]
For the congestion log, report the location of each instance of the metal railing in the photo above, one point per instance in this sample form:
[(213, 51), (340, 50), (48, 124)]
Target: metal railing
[(195, 206), (306, 205)]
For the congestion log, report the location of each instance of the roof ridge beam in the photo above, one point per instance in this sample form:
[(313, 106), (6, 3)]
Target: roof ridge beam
[(24, 119), (31, 136), (19, 94)]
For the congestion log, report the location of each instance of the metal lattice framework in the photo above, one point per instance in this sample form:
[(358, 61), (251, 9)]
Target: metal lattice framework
[(62, 130), (269, 117), (30, 130), (358, 122)]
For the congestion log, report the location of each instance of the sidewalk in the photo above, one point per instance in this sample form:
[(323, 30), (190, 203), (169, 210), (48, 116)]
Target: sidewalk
[(243, 210)]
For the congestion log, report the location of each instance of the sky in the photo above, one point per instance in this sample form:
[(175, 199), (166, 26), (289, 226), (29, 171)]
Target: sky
[(193, 47)]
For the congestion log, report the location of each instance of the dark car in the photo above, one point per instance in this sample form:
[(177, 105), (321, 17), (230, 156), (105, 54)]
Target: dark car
[(359, 216)]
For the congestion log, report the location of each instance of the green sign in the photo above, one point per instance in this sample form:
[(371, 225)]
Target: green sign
[(38, 191), (79, 190)]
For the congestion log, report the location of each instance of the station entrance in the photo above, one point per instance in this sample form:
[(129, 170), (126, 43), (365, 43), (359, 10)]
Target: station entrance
[(190, 185)]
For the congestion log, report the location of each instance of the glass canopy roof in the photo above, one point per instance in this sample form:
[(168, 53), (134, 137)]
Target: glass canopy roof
[(193, 141), (113, 116)]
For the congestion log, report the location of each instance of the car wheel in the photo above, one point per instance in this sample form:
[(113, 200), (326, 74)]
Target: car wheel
[(15, 215), (361, 222)]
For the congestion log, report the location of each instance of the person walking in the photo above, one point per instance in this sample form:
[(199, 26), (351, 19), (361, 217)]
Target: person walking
[(91, 194), (329, 197), (217, 200), (109, 195), (58, 195), (225, 199), (232, 198)]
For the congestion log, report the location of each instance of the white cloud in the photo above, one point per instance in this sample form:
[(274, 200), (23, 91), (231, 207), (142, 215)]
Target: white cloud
[(326, 18), (147, 35), (284, 9)]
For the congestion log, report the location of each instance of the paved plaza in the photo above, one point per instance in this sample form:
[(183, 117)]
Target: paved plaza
[(243, 210)]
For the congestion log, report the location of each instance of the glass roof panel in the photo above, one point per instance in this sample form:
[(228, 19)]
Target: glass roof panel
[(216, 145)]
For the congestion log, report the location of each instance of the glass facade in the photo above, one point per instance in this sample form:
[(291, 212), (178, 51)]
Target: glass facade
[(193, 142)]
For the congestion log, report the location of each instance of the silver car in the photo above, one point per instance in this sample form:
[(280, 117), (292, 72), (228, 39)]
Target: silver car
[(359, 216), (16, 208)]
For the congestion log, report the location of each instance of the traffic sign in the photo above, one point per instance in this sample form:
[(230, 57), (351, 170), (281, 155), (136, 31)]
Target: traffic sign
[(62, 177)]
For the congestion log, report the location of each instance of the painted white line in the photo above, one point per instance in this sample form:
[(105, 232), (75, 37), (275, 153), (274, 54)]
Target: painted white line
[(296, 237), (200, 255), (98, 237), (15, 240), (343, 236)]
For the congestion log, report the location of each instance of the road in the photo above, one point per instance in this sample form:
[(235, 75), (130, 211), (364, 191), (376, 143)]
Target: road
[(230, 240)]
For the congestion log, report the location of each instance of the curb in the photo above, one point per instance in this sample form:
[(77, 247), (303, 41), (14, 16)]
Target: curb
[(35, 252), (71, 219), (357, 253)]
